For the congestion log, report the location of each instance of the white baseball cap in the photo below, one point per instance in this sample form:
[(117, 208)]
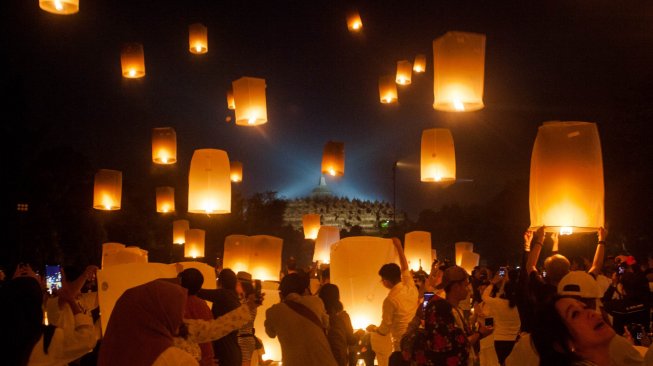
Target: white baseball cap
[(579, 283)]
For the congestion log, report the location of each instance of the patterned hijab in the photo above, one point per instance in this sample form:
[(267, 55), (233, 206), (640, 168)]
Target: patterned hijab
[(142, 324)]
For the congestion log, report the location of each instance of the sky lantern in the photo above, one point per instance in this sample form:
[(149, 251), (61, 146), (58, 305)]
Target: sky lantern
[(132, 60), (209, 182), (236, 174), (164, 145), (404, 72), (419, 65), (271, 345), (326, 236), (107, 190), (469, 260), (354, 22), (333, 159), (311, 224), (231, 103), (61, 7), (179, 228), (458, 72), (417, 248), (355, 263), (462, 247), (165, 199), (387, 89), (237, 252), (265, 260), (194, 246), (249, 98), (566, 179), (438, 156), (198, 42)]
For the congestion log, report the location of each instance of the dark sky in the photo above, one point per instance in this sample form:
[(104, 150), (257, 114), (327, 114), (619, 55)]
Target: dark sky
[(549, 60)]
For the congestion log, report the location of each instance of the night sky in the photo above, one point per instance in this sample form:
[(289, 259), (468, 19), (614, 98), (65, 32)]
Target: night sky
[(552, 60)]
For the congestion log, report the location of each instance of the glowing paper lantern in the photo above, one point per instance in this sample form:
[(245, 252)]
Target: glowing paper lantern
[(231, 103), (164, 145), (469, 260), (461, 248), (404, 72), (249, 98), (566, 179), (237, 252), (132, 60), (198, 39), (61, 7), (115, 253), (165, 199), (271, 345), (387, 89), (354, 22), (311, 224), (236, 171), (417, 248), (458, 71), (209, 183), (194, 246), (179, 228), (355, 263), (265, 261), (419, 65), (326, 236), (438, 158), (333, 159), (107, 190)]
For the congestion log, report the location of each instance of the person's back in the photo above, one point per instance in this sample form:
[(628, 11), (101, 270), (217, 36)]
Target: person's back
[(196, 308), (341, 333)]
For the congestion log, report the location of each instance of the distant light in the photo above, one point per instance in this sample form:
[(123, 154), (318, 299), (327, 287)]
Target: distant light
[(132, 72), (58, 5), (24, 207)]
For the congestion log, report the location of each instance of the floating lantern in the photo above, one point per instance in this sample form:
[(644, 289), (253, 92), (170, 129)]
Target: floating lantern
[(438, 158), (231, 103), (114, 254), (333, 159), (179, 228), (404, 72), (458, 72), (387, 89), (265, 261), (566, 179), (462, 247), (249, 98), (326, 236), (132, 60), (419, 65), (165, 199), (417, 248), (107, 190), (209, 183), (272, 348), (236, 171), (311, 224), (61, 7), (164, 145), (237, 252), (198, 39), (354, 22), (194, 246), (469, 261)]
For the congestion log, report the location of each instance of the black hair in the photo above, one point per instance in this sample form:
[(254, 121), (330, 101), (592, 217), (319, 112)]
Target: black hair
[(191, 279), (390, 272), (227, 279), (330, 295), (293, 283), (550, 335), (72, 272), (248, 288)]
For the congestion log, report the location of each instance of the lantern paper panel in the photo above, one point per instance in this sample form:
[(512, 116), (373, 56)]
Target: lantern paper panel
[(194, 246), (458, 72), (333, 159), (355, 263), (354, 22), (311, 225), (271, 345), (132, 60), (231, 103), (198, 39), (209, 182), (404, 72), (461, 248), (236, 171), (417, 248), (469, 260), (179, 228), (116, 253), (165, 199), (566, 178), (419, 65), (107, 190), (250, 101), (387, 89), (60, 7), (237, 253), (265, 261), (326, 236), (438, 156), (164, 145)]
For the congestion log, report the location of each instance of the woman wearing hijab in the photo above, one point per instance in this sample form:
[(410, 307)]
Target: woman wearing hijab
[(147, 318)]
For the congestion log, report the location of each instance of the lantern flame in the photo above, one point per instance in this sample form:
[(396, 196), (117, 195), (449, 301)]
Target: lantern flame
[(356, 25), (566, 230), (418, 69), (458, 105), (132, 73), (58, 5), (332, 172), (198, 48)]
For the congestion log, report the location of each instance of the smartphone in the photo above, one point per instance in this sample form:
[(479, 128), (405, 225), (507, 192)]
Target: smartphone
[(427, 296), (489, 322), (52, 277), (543, 273), (258, 292), (622, 269), (502, 271)]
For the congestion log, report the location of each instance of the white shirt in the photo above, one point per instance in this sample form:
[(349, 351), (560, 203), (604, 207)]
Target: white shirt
[(67, 344), (399, 308), (506, 319)]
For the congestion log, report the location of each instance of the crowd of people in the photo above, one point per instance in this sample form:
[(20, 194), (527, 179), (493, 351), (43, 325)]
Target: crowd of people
[(567, 312)]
